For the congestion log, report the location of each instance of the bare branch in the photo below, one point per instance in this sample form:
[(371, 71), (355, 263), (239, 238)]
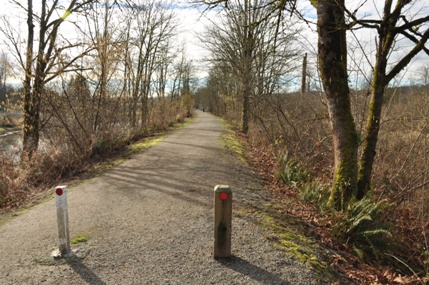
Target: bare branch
[(420, 45)]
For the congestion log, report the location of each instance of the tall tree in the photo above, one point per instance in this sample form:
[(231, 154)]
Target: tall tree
[(235, 42), (396, 22), (41, 64), (352, 178), (332, 56)]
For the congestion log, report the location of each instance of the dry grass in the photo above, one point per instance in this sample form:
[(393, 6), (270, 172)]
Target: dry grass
[(68, 150), (299, 125)]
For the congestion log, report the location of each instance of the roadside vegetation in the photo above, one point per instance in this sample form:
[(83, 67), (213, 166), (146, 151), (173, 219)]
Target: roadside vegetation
[(381, 238), (347, 153), (20, 184), (87, 96)]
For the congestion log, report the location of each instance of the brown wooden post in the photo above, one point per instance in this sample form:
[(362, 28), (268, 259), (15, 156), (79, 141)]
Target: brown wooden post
[(222, 221)]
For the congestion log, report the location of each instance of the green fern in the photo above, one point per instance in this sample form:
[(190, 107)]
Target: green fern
[(364, 227), (359, 253), (359, 222), (315, 193), (291, 172)]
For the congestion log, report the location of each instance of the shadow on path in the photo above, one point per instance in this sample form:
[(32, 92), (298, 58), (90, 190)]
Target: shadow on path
[(256, 273), (85, 273)]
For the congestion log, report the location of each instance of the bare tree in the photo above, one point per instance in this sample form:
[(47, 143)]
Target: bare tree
[(154, 27), (43, 63), (5, 70), (254, 46), (396, 23), (221, 93), (424, 74), (235, 43)]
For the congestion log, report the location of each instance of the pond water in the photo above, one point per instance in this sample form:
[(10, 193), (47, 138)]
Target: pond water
[(11, 144)]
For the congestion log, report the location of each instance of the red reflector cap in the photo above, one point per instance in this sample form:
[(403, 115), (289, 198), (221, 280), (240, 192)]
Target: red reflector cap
[(223, 196), (59, 191)]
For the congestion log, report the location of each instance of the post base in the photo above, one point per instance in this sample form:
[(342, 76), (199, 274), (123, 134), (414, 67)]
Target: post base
[(56, 254)]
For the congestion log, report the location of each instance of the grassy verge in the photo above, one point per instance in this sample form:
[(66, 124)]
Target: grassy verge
[(292, 236), (231, 142)]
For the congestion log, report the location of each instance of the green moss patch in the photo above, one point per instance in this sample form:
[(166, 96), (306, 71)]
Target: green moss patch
[(291, 236), (79, 239), (230, 142), (145, 144)]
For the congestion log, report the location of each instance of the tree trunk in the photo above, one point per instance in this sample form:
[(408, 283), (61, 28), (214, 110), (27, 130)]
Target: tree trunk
[(247, 79), (385, 38), (246, 105), (29, 141), (373, 128), (333, 69), (304, 74), (30, 137)]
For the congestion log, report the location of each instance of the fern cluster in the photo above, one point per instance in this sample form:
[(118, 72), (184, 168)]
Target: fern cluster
[(291, 172), (364, 227)]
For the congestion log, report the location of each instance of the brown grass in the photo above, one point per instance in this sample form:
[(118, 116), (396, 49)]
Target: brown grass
[(299, 125), (67, 152)]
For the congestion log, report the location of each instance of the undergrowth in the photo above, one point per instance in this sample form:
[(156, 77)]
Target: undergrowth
[(291, 171), (364, 227)]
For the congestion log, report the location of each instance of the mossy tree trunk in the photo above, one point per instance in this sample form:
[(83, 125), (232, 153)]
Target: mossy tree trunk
[(386, 38), (33, 96), (332, 57), (30, 142), (393, 23), (373, 128)]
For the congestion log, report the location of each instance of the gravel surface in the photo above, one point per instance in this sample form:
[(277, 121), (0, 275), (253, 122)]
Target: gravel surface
[(150, 221)]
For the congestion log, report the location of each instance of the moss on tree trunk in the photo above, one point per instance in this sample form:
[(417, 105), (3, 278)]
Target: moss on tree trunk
[(333, 68), (370, 142)]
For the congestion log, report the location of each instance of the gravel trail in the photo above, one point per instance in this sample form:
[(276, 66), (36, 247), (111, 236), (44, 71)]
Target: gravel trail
[(150, 221)]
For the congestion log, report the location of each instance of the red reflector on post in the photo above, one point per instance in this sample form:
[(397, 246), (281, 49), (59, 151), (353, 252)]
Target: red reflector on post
[(223, 196), (59, 191)]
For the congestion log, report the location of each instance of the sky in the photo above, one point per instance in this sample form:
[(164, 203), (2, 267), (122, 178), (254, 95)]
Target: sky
[(193, 22), (362, 43)]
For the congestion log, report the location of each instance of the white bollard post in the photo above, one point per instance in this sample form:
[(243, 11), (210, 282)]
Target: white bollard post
[(63, 220), (222, 221)]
